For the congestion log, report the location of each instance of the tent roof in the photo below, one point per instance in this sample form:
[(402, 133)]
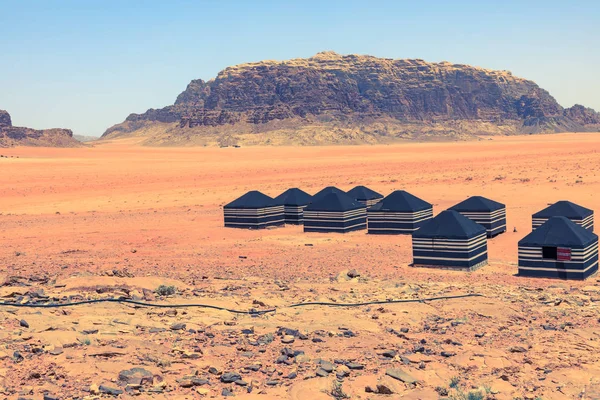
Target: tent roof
[(252, 199), (450, 224), (557, 232), (329, 189), (334, 202), (563, 208), (477, 203), (363, 193), (401, 201), (294, 197)]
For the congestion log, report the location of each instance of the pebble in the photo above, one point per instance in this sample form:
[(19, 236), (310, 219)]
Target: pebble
[(322, 373), (326, 366), (136, 376), (389, 353), (287, 339), (241, 382), (272, 383), (109, 390), (447, 354), (227, 393), (24, 323)]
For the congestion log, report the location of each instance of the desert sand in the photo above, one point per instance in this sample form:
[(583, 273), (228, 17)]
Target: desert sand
[(118, 219)]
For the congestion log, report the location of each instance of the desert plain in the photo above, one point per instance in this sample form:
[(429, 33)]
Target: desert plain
[(118, 220)]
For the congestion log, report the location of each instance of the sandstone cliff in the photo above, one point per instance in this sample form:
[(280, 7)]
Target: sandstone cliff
[(18, 136), (330, 98)]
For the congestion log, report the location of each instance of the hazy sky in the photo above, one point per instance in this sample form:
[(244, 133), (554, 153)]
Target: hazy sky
[(87, 64)]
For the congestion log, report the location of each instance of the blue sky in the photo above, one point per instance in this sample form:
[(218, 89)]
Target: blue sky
[(87, 64)]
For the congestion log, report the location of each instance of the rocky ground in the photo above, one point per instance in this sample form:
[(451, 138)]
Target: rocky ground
[(120, 222)]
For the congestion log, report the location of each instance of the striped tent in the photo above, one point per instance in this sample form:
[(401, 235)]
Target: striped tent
[(365, 196), (294, 201), (488, 213), (254, 210), (335, 212), (576, 213), (559, 248), (398, 213), (325, 191), (450, 241)]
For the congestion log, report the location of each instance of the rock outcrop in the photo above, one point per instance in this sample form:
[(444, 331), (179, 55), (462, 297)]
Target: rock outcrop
[(19, 136), (335, 98)]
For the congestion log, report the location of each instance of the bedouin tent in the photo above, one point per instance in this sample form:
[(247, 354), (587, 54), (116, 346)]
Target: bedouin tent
[(398, 213), (365, 196), (559, 248), (254, 210), (576, 213), (294, 201), (450, 241), (335, 212), (488, 213), (325, 191)]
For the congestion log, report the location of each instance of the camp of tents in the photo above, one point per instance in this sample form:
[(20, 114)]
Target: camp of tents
[(561, 245)]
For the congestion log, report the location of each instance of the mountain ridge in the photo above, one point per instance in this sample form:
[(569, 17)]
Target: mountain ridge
[(20, 136), (332, 98)]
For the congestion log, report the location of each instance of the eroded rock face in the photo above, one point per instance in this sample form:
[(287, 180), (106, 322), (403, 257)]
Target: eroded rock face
[(5, 119), (331, 87), (15, 135)]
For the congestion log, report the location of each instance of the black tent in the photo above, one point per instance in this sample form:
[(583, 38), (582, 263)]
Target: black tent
[(294, 201), (399, 212), (559, 248), (450, 241), (576, 213), (254, 210), (325, 191), (335, 212), (488, 213), (365, 196)]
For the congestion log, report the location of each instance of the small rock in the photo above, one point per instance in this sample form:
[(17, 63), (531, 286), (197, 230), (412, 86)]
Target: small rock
[(50, 397), (203, 391), (241, 382), (214, 370), (327, 366), (178, 326), (272, 382), (24, 323), (109, 390), (383, 389), (353, 273), (355, 366), (517, 349), (389, 353), (322, 373), (400, 375), (136, 376), (447, 354), (342, 371), (292, 375), (287, 339), (230, 377), (227, 393)]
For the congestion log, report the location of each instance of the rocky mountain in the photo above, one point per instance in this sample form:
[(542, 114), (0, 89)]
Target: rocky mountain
[(18, 136), (331, 98)]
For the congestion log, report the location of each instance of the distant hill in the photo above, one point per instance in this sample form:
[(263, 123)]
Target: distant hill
[(19, 136), (331, 98), (84, 139)]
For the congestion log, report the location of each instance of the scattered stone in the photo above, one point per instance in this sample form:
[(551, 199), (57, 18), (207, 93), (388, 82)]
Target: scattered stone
[(353, 273), (90, 331), (24, 323), (50, 397), (200, 381), (230, 377), (404, 330), (317, 340), (400, 375), (517, 349), (109, 390), (480, 335), (272, 382), (389, 353), (287, 339), (322, 373), (241, 382), (214, 371), (383, 389), (292, 375), (203, 391), (355, 366), (56, 351), (326, 366), (342, 371), (227, 393), (17, 357), (447, 354), (178, 326), (136, 376)]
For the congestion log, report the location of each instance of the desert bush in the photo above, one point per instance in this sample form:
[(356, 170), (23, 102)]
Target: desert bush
[(164, 290)]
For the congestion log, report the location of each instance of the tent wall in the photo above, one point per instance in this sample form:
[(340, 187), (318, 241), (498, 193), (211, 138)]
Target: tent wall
[(583, 263), (587, 222), (328, 221), (462, 254), (388, 222), (254, 218), (294, 214), (494, 222)]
